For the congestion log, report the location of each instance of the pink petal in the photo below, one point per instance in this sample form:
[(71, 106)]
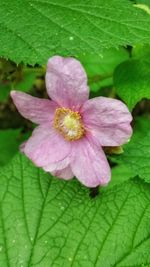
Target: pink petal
[(89, 164), (37, 110), (22, 146), (65, 173), (66, 82), (46, 146), (107, 120), (60, 169), (59, 165)]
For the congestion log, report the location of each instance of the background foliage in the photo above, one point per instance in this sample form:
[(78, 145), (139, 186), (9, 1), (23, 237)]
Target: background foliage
[(47, 222)]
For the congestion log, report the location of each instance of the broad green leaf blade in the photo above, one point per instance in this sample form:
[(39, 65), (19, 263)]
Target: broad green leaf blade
[(132, 81), (48, 222), (120, 174), (136, 154), (42, 28), (99, 68)]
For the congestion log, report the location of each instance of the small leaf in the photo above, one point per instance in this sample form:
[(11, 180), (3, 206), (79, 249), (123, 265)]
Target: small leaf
[(132, 81)]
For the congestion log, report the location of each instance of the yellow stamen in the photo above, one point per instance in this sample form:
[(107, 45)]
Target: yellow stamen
[(68, 123)]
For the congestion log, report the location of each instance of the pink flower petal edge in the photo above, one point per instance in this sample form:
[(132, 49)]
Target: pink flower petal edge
[(89, 164), (66, 82), (65, 173), (39, 111), (106, 122)]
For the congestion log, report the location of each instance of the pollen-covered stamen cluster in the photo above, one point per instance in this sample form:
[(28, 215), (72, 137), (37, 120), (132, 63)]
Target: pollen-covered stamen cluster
[(69, 123)]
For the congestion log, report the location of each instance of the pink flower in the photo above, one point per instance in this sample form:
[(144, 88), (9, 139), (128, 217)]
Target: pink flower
[(72, 129)]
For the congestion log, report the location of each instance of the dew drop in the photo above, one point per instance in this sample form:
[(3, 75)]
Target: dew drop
[(70, 259), (71, 38), (1, 248), (14, 241)]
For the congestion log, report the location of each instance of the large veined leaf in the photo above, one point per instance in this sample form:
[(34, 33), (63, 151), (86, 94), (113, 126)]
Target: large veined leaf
[(47, 222), (136, 154), (31, 31)]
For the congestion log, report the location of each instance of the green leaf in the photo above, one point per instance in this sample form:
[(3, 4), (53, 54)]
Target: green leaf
[(143, 2), (45, 221), (100, 68), (136, 154), (42, 28), (4, 91), (120, 174), (9, 144), (26, 83), (141, 52), (132, 81)]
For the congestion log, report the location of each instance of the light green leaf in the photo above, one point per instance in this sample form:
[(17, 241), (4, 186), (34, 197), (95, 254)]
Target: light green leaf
[(141, 52), (26, 83), (49, 222), (143, 7), (120, 174), (42, 28), (9, 144), (136, 154), (100, 68), (132, 81)]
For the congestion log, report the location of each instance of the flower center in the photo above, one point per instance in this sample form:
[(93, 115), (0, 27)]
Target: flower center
[(68, 123)]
